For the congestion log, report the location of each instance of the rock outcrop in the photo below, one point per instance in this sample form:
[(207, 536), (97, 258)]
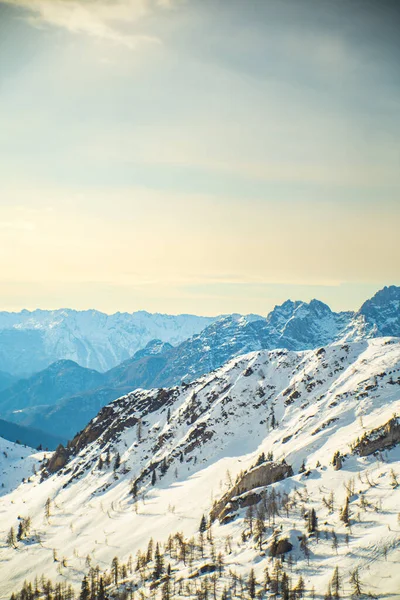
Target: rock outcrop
[(246, 491), (379, 439)]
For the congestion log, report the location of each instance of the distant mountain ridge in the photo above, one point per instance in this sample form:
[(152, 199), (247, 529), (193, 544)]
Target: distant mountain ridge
[(294, 325), (31, 341), (29, 436)]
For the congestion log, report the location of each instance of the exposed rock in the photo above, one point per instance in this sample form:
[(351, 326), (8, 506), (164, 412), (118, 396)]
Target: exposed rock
[(381, 438), (258, 477), (279, 547), (207, 568), (58, 460)]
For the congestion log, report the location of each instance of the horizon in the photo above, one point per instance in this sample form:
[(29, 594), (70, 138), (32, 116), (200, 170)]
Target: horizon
[(223, 314), (194, 156)]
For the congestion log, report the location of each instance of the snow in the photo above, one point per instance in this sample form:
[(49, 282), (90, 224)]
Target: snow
[(91, 338), (93, 512)]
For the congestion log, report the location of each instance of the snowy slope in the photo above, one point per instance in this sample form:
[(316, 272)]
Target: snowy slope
[(17, 462), (30, 341), (323, 400)]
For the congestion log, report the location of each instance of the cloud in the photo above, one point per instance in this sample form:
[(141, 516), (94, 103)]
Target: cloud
[(106, 19)]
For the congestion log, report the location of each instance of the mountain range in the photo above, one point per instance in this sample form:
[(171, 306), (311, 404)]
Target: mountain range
[(64, 397), (279, 468), (31, 341)]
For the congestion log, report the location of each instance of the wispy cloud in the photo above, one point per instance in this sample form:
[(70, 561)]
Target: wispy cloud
[(107, 19)]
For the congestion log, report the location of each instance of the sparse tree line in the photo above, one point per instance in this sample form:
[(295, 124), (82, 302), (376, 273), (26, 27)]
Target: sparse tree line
[(156, 572)]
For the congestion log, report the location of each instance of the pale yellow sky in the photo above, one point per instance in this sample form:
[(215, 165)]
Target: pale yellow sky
[(147, 165)]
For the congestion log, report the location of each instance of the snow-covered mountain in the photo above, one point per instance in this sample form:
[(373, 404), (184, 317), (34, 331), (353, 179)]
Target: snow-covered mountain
[(286, 433), (378, 316), (30, 341), (293, 325)]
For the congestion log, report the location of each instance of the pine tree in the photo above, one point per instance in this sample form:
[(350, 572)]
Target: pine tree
[(153, 477), (101, 593), (251, 584), (134, 490), (249, 518), (285, 587), (11, 540), (149, 553), (356, 582), (336, 583), (312, 521), (345, 513), (115, 569), (47, 508), (328, 595), (100, 464), (164, 466), (117, 462), (158, 564), (273, 420), (85, 590), (203, 524), (139, 430), (300, 587)]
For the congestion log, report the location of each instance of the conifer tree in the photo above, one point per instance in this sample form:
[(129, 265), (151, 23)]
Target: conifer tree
[(336, 583), (300, 587), (203, 524), (251, 584), (345, 513), (11, 540), (101, 593), (139, 430), (356, 582), (117, 462), (47, 508), (115, 569), (312, 521), (158, 563), (85, 589)]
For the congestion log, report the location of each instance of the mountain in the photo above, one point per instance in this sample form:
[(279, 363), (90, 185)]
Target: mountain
[(31, 341), (6, 380), (302, 326), (378, 316), (293, 459), (294, 325), (61, 379), (64, 416), (29, 436)]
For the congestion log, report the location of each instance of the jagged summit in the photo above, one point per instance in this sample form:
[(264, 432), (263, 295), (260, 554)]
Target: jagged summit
[(294, 325)]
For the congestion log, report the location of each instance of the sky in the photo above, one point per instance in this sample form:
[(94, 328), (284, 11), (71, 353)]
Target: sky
[(198, 156)]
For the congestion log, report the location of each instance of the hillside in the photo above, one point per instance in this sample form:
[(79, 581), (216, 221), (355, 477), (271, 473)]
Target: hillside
[(153, 462), (31, 341)]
